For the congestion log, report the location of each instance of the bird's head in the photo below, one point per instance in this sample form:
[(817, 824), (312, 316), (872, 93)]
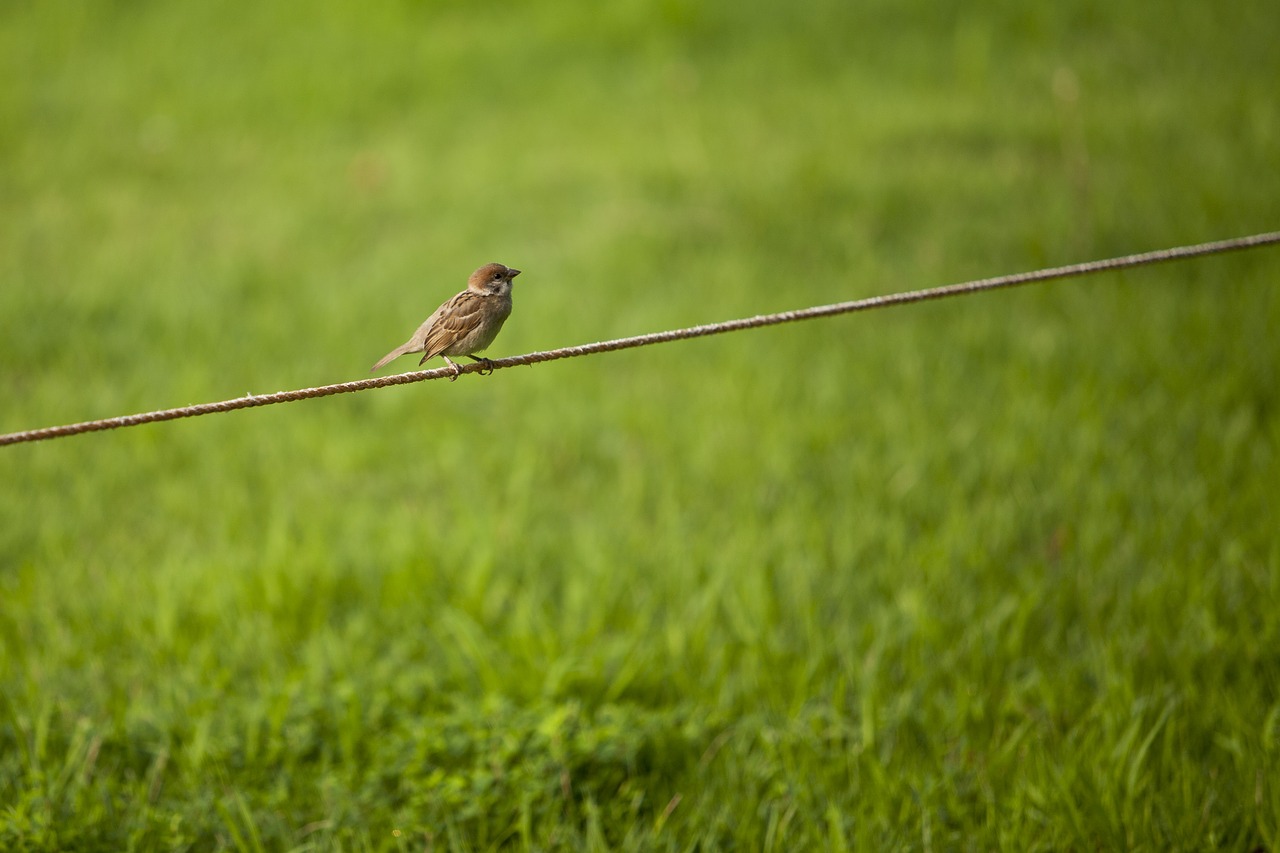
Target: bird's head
[(492, 279)]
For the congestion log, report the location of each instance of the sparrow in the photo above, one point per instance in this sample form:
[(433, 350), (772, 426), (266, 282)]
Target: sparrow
[(465, 324)]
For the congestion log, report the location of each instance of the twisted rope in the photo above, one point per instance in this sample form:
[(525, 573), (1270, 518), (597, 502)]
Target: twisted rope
[(252, 401)]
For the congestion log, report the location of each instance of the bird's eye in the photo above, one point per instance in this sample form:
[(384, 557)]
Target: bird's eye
[(497, 276)]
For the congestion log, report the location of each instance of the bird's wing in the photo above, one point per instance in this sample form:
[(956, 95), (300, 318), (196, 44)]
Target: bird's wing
[(452, 322)]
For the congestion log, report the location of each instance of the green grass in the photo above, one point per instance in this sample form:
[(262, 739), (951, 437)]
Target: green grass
[(998, 572)]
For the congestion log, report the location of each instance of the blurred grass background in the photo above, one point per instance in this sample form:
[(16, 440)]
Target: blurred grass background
[(997, 572)]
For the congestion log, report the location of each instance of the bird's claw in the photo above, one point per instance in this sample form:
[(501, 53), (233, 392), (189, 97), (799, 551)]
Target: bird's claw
[(486, 365)]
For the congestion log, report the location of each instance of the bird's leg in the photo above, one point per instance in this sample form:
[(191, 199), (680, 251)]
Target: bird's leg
[(457, 368), (488, 364)]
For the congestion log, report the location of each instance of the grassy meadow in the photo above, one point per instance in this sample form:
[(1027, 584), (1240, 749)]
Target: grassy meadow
[(998, 572)]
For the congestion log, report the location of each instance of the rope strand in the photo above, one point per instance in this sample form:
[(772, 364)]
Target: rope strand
[(252, 401)]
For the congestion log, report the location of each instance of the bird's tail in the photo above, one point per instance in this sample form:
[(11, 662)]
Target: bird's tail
[(394, 354)]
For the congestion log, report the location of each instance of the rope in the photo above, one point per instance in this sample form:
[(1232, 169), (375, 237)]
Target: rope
[(252, 401)]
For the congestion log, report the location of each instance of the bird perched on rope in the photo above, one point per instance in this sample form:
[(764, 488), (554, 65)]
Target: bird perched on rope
[(465, 324)]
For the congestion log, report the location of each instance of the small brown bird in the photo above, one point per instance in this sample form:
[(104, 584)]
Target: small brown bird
[(465, 324)]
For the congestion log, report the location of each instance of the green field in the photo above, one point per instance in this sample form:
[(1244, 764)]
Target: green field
[(999, 572)]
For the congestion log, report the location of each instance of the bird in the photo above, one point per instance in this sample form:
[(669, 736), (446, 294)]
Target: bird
[(466, 323)]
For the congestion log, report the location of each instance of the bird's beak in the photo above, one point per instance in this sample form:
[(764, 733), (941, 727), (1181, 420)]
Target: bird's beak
[(514, 273)]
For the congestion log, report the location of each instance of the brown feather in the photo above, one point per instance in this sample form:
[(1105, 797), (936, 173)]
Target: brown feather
[(455, 321)]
